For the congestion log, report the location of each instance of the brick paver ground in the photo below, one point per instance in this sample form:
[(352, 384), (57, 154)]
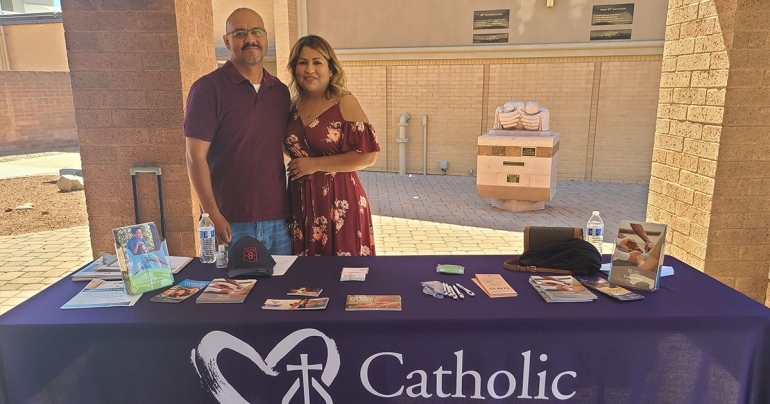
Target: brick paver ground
[(413, 215)]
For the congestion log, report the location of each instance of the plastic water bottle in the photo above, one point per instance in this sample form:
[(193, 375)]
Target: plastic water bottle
[(595, 231), (206, 237)]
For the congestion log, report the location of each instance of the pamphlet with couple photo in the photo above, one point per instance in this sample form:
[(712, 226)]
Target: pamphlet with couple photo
[(638, 255), (222, 290), (143, 258)]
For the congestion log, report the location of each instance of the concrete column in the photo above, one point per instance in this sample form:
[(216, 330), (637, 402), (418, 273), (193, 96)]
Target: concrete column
[(711, 161), (131, 65), (285, 20)]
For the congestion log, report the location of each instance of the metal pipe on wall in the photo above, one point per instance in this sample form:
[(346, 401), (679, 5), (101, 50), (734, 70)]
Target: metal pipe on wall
[(425, 145), (402, 139), (5, 60)]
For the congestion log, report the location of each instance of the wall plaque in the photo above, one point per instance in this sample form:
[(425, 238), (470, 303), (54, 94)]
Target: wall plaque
[(513, 178), (613, 14), (491, 19), (528, 151), (513, 163), (604, 35), (490, 38)]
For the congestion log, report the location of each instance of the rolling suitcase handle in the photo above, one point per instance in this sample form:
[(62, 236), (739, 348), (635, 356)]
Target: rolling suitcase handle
[(157, 171)]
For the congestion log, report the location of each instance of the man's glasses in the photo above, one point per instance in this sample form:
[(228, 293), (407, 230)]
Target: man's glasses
[(242, 33)]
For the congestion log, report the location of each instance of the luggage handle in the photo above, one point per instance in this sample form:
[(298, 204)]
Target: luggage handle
[(157, 172)]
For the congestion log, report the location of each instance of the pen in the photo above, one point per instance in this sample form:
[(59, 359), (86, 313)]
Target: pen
[(466, 290), (458, 292), (451, 292)]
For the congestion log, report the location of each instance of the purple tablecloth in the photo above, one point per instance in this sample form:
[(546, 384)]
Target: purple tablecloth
[(693, 341)]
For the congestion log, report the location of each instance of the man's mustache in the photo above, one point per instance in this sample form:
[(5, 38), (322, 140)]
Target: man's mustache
[(247, 46)]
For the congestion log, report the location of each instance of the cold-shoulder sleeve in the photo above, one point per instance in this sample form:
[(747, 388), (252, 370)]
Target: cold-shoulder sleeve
[(360, 137)]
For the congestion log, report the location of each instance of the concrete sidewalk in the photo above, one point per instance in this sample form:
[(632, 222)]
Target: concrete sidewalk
[(43, 165), (413, 215)]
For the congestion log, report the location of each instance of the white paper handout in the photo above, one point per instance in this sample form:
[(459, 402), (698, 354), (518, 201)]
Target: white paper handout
[(101, 293)]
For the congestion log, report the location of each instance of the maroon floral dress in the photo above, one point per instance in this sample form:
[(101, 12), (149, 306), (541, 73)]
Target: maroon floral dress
[(331, 210)]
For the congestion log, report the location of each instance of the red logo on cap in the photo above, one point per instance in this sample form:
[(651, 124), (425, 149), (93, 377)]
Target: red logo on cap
[(250, 254)]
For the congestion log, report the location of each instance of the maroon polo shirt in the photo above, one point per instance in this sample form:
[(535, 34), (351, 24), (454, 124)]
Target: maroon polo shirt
[(246, 130)]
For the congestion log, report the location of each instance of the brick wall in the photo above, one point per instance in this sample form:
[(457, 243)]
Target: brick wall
[(711, 163), (130, 75), (599, 105), (36, 111)]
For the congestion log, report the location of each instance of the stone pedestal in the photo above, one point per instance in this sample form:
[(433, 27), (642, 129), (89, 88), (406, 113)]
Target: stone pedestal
[(517, 168)]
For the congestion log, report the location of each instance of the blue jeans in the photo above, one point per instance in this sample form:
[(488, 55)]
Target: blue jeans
[(273, 234)]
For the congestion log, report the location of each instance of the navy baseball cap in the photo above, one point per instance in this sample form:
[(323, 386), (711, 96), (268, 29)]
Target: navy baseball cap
[(249, 259)]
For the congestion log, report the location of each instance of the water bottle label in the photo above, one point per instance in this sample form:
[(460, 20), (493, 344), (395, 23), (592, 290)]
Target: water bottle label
[(598, 232), (206, 234), (594, 232)]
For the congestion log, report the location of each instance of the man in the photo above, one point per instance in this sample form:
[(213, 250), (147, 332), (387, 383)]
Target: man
[(234, 128)]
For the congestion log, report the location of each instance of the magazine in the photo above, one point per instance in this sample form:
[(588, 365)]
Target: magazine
[(296, 304), (182, 291), (223, 290), (494, 285), (101, 293), (143, 258), (638, 255), (373, 302), (303, 291), (601, 285), (354, 274), (562, 288)]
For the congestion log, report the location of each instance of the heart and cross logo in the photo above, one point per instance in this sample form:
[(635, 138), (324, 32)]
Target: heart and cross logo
[(217, 341)]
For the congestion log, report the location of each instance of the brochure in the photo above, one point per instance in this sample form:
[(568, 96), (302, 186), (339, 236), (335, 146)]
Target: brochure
[(373, 302), (143, 258), (98, 270), (223, 290), (563, 288), (282, 264), (303, 291), (101, 293), (296, 304), (638, 255), (354, 274), (494, 285), (182, 291), (601, 285)]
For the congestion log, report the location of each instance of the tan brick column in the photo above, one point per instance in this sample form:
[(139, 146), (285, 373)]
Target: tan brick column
[(132, 64), (285, 20), (711, 162)]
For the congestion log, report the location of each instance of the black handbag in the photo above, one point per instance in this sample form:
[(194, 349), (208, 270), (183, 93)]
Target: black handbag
[(559, 250)]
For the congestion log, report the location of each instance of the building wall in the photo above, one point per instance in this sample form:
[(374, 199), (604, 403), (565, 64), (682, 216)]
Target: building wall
[(36, 111), (400, 23), (36, 47), (599, 105)]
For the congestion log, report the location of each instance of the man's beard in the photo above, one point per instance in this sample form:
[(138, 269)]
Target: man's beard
[(249, 60)]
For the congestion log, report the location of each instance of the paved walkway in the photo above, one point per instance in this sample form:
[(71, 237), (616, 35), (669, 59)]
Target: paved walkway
[(413, 215)]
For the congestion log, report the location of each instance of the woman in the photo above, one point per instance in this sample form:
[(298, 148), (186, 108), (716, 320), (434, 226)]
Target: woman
[(329, 137)]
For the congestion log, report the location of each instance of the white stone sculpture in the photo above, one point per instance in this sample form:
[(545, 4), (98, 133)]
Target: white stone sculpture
[(519, 116)]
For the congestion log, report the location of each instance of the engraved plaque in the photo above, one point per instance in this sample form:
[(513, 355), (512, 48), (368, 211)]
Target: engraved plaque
[(490, 38), (610, 34), (613, 14), (528, 151), (491, 19), (513, 163), (513, 178)]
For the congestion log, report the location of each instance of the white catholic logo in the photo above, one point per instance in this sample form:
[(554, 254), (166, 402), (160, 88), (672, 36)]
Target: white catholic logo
[(216, 341)]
